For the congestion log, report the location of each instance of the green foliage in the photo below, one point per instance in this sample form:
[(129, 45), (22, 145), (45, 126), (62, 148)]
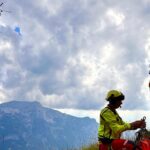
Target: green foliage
[(91, 147)]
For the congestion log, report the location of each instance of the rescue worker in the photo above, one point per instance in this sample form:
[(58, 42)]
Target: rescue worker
[(111, 124)]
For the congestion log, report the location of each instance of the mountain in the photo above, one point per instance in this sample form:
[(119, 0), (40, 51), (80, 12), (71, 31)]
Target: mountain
[(30, 126)]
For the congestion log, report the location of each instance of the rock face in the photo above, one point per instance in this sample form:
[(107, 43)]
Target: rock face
[(29, 126)]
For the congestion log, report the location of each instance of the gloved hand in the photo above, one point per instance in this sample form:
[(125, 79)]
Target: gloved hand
[(138, 124)]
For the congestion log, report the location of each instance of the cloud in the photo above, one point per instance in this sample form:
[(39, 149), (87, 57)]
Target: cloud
[(72, 52)]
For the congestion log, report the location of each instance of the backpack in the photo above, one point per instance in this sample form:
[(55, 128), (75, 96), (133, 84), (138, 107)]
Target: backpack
[(142, 140), (144, 144)]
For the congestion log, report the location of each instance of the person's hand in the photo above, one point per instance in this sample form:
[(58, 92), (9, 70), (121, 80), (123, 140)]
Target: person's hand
[(138, 124), (144, 122)]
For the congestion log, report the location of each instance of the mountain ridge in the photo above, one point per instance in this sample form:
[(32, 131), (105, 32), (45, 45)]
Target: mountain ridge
[(29, 125)]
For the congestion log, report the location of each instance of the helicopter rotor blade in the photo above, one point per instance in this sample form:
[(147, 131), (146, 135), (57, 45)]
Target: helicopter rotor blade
[(5, 11), (1, 4)]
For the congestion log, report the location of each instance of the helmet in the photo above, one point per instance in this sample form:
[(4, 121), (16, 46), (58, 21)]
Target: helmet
[(114, 95)]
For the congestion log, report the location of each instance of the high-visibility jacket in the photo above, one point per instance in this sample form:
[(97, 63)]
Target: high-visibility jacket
[(111, 124)]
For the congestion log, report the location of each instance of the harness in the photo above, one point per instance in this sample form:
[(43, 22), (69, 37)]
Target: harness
[(141, 135)]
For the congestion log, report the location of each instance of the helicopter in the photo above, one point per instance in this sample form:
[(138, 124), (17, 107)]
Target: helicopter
[(2, 10)]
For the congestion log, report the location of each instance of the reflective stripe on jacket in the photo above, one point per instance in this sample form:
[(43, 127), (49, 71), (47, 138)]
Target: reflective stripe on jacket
[(111, 124)]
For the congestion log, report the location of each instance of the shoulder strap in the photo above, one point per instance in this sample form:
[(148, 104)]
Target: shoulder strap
[(103, 111)]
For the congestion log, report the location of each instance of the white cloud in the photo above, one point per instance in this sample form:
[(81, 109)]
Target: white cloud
[(4, 45), (147, 48), (3, 95), (115, 17), (70, 53), (145, 91)]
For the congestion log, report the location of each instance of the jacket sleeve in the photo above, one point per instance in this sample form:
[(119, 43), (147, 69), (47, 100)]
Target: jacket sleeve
[(116, 126)]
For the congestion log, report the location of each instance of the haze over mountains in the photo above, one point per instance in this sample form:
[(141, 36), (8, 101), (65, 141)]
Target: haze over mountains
[(30, 126)]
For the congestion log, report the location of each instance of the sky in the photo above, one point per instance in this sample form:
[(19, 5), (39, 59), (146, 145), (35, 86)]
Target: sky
[(67, 54)]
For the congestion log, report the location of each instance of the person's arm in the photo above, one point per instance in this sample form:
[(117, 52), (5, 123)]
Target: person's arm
[(138, 124)]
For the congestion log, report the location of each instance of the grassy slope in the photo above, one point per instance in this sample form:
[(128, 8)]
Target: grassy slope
[(95, 146), (91, 147)]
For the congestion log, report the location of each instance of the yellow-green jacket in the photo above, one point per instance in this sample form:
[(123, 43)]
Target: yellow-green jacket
[(111, 124)]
